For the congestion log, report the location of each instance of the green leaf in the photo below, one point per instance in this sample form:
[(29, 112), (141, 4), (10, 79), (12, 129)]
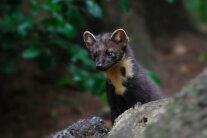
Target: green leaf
[(78, 53), (64, 81), (33, 9), (25, 26), (56, 7), (170, 1), (9, 22), (90, 84), (74, 17), (81, 85), (45, 7), (67, 30), (57, 19), (104, 97), (82, 55), (31, 53), (153, 76), (124, 5), (78, 73), (96, 84), (94, 9)]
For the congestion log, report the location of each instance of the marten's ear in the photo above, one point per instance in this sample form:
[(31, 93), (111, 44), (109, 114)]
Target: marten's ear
[(89, 39), (119, 36)]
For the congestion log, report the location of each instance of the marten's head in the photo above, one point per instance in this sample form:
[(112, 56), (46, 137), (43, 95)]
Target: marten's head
[(106, 49)]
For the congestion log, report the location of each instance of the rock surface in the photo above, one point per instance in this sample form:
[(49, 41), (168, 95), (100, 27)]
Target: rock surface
[(185, 116), (94, 127), (134, 121)]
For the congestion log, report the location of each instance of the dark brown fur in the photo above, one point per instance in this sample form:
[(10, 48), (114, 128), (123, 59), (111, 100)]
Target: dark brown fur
[(100, 49), (127, 82)]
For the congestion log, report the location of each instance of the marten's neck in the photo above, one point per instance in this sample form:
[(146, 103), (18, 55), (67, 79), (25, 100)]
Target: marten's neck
[(119, 73)]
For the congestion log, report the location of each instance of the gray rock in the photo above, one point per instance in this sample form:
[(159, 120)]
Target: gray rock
[(94, 127), (185, 115), (134, 121)]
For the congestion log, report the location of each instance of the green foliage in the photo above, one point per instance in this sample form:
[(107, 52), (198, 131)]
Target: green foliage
[(47, 36), (124, 5), (198, 8), (94, 9), (31, 53)]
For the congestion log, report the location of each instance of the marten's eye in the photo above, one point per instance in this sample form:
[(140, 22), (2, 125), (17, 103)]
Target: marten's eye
[(94, 55), (109, 53)]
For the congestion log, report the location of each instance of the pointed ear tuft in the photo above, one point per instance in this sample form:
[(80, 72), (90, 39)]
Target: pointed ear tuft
[(89, 38), (119, 36)]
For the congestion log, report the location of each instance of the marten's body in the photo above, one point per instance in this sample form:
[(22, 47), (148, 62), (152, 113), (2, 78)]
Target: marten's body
[(127, 82)]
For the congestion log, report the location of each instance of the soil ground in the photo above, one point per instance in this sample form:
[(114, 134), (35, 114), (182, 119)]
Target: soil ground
[(32, 106)]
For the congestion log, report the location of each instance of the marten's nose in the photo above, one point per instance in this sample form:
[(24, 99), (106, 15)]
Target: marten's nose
[(99, 65)]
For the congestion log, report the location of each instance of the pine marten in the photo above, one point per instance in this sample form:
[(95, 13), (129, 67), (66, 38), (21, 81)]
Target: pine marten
[(127, 82)]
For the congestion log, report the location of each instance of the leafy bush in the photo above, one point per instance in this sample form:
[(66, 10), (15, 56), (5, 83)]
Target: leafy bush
[(198, 8), (47, 35)]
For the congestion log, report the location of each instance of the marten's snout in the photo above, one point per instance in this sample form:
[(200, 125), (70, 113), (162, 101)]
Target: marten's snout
[(100, 66)]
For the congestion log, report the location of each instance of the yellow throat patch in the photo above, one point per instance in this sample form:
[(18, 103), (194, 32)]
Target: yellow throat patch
[(115, 75)]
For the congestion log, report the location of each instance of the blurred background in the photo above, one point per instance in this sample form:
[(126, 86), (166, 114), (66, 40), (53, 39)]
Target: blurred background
[(48, 80)]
